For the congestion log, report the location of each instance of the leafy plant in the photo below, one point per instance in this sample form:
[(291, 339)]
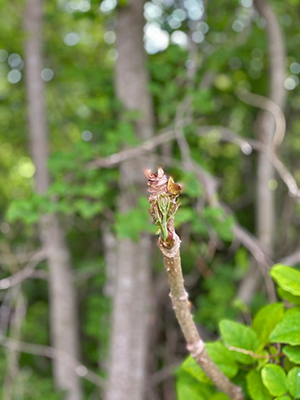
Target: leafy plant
[(264, 358)]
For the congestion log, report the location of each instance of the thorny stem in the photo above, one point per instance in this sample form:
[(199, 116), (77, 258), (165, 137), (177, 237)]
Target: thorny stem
[(163, 197)]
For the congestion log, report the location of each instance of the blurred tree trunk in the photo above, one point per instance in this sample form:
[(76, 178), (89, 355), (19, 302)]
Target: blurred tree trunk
[(265, 127), (63, 318), (131, 298)]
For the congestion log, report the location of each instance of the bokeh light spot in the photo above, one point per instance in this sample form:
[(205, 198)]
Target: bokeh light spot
[(246, 3), (272, 184), (197, 37), (108, 6), (295, 68), (83, 111), (203, 27), (47, 74), (71, 39), (223, 82), (156, 39), (15, 61), (291, 82), (26, 168), (238, 25), (109, 37), (14, 76), (180, 38), (152, 11), (112, 54), (87, 136)]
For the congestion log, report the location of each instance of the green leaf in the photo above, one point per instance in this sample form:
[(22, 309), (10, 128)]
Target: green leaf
[(288, 330), (293, 380), (188, 388), (293, 353), (241, 336), (189, 365), (184, 214), (93, 189), (86, 209), (255, 386), (265, 321), (274, 379), (220, 396), (287, 278), (283, 398), (135, 221), (288, 296), (224, 228), (192, 186), (220, 355), (212, 214), (223, 358)]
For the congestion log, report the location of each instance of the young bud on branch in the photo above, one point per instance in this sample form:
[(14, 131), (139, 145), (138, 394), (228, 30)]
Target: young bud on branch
[(163, 205)]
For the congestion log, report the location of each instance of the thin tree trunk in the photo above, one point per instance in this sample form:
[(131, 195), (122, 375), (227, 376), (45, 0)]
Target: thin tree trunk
[(63, 318), (131, 299), (265, 127)]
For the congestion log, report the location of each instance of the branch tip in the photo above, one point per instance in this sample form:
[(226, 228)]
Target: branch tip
[(164, 192)]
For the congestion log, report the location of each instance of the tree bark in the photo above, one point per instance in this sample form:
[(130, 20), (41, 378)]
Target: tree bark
[(265, 126), (63, 315), (131, 299)]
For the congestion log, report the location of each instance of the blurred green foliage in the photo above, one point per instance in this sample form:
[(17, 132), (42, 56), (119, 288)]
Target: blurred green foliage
[(87, 122)]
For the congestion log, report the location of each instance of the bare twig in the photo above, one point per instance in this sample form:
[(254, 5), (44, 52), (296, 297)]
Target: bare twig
[(134, 152), (12, 353), (53, 353), (271, 152), (266, 104), (25, 273), (252, 354)]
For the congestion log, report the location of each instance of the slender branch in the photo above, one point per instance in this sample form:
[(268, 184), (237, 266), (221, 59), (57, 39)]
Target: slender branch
[(163, 206), (252, 354), (50, 352), (134, 152), (25, 273), (246, 145)]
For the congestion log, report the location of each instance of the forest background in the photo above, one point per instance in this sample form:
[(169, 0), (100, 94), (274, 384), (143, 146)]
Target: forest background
[(85, 106)]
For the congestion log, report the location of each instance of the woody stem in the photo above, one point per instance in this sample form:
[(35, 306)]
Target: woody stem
[(195, 344)]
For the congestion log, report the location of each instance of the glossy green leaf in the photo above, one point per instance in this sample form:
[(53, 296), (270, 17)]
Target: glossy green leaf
[(223, 358), (265, 321), (285, 397), (287, 278), (240, 336), (188, 388), (274, 379), (288, 330), (288, 296), (220, 355), (255, 386), (293, 380), (293, 353), (189, 365), (220, 396)]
